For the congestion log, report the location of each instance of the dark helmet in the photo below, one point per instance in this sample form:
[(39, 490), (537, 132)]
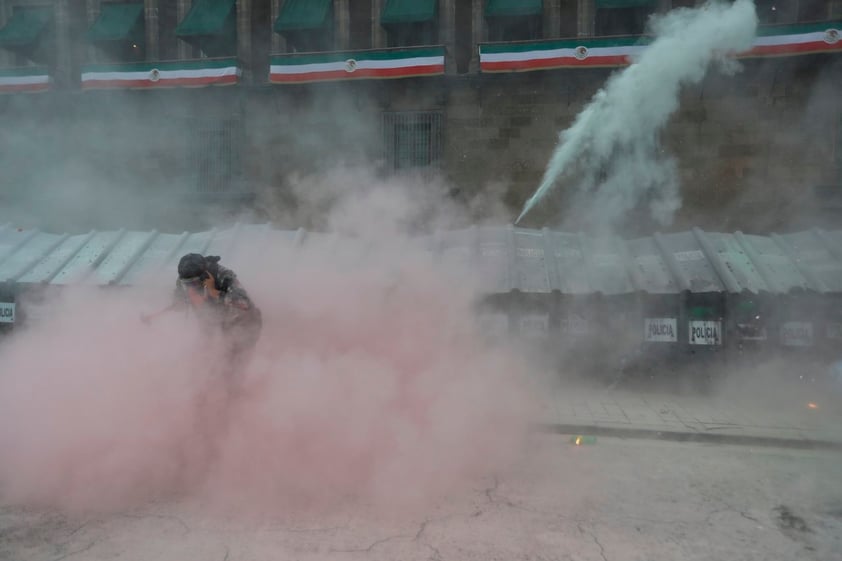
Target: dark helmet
[(191, 265)]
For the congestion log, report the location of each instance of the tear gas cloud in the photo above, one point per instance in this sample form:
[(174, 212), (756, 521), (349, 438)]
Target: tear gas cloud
[(370, 383), (611, 152)]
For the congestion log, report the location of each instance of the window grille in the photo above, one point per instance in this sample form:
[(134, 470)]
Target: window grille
[(412, 139), (215, 155)]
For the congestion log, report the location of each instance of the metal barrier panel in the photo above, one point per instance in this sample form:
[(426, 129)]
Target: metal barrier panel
[(661, 320), (529, 262), (8, 308), (570, 263), (607, 266), (654, 272), (493, 259), (814, 259), (705, 319), (690, 257)]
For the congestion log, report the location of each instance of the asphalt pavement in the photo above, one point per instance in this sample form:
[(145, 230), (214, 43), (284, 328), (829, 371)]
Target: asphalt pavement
[(609, 499), (639, 472)]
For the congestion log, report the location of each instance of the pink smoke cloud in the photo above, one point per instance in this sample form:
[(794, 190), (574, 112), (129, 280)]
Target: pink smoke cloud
[(370, 382)]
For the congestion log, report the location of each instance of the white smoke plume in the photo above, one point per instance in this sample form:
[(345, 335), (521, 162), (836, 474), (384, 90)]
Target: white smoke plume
[(612, 150)]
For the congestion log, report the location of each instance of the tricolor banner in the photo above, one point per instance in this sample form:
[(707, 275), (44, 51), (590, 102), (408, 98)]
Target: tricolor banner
[(797, 40), (24, 79), (617, 51), (164, 74), (387, 63), (594, 53)]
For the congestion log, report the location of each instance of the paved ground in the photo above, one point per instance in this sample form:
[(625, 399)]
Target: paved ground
[(612, 500), (717, 419), (637, 491), (747, 410)]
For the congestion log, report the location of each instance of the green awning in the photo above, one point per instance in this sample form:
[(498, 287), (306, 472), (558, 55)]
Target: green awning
[(25, 26), (625, 3), (509, 8), (206, 17), (117, 21), (408, 11), (297, 15)]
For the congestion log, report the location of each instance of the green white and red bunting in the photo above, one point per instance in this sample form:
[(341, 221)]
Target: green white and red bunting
[(610, 52), (388, 63), (164, 74), (25, 79)]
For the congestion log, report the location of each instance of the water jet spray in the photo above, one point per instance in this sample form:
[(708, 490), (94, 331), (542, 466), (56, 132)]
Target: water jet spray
[(612, 148)]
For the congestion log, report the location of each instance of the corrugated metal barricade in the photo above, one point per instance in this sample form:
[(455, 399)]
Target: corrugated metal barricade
[(566, 293), (545, 287), (600, 301), (510, 268), (806, 316), (35, 264), (597, 311), (532, 306), (682, 300)]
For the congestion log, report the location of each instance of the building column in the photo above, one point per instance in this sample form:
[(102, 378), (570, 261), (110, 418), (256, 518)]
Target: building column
[(185, 51), (6, 58), (279, 44), (150, 14), (587, 18), (378, 34), (243, 8), (91, 13), (342, 24), (447, 34), (552, 19), (64, 51), (479, 33)]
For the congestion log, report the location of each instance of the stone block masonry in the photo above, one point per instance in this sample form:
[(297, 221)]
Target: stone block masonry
[(766, 134)]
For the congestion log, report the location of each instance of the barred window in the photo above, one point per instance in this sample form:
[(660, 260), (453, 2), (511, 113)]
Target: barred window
[(216, 155), (412, 139)]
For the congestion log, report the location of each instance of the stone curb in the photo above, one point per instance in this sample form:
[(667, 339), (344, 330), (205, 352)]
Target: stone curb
[(699, 437)]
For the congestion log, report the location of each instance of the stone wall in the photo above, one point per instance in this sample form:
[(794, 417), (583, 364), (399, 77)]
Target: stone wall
[(752, 149)]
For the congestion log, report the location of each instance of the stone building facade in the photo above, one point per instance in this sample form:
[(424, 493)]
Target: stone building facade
[(119, 118)]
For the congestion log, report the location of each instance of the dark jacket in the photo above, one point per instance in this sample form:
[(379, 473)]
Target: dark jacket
[(234, 308)]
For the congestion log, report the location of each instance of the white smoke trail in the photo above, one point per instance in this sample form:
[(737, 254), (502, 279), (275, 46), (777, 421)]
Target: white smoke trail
[(612, 148)]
